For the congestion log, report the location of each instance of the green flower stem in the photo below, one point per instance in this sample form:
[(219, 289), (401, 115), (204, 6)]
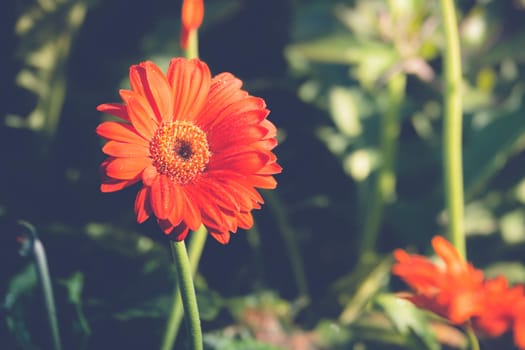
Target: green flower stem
[(384, 189), (196, 245), (288, 233), (34, 246), (193, 45), (187, 293), (452, 129), (368, 287), (472, 339)]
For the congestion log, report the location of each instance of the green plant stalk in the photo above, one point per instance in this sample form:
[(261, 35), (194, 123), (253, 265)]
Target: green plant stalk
[(384, 188), (288, 233), (187, 293), (193, 45), (36, 249), (195, 247), (366, 290), (452, 129), (472, 339), (45, 279)]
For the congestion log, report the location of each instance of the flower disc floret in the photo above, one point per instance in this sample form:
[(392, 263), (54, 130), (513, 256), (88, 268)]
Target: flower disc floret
[(180, 151)]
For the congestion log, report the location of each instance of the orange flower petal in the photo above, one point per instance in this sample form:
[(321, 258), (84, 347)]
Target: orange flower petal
[(149, 175), (224, 90), (244, 163), (125, 95), (213, 216), (179, 203), (272, 130), (190, 83), (231, 136), (239, 108), (147, 80), (263, 181), (125, 150), (141, 119), (120, 132), (142, 205), (126, 168), (160, 89), (448, 253), (113, 185), (162, 191), (192, 215), (116, 109), (179, 232), (219, 193), (245, 220), (270, 168), (221, 237), (519, 329)]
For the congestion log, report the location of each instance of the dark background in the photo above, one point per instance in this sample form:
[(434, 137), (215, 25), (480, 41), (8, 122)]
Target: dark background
[(113, 277)]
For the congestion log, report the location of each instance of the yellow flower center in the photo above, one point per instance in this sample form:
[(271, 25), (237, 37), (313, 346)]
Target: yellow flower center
[(180, 151)]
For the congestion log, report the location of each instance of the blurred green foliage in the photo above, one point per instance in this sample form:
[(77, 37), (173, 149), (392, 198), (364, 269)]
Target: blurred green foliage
[(326, 70)]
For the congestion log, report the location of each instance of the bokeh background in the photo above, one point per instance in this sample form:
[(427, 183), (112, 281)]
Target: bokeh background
[(339, 77)]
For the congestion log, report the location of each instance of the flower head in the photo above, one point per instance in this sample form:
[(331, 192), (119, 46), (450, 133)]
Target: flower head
[(458, 292), (199, 145), (192, 16), (449, 289)]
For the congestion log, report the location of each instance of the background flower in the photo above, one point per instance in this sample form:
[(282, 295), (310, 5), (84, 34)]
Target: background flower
[(449, 288)]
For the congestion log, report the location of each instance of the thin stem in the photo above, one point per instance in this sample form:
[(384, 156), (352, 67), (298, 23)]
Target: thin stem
[(196, 245), (452, 129), (193, 45), (386, 177), (187, 292), (472, 339), (32, 245), (292, 247), (367, 288)]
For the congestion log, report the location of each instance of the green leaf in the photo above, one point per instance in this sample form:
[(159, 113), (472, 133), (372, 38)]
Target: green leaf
[(344, 110), (407, 318), (332, 334), (210, 304), (490, 148), (75, 285), (17, 302), (46, 33), (221, 341)]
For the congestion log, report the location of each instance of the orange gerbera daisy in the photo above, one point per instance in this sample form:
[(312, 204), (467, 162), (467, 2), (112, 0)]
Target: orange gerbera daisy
[(200, 145), (449, 290), (457, 291)]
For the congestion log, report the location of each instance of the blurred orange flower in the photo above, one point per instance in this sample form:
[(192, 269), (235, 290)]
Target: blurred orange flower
[(449, 289), (503, 309), (192, 16), (457, 291), (200, 145)]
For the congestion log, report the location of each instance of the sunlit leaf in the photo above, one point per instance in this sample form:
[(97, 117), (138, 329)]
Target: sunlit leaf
[(407, 318), (46, 30)]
